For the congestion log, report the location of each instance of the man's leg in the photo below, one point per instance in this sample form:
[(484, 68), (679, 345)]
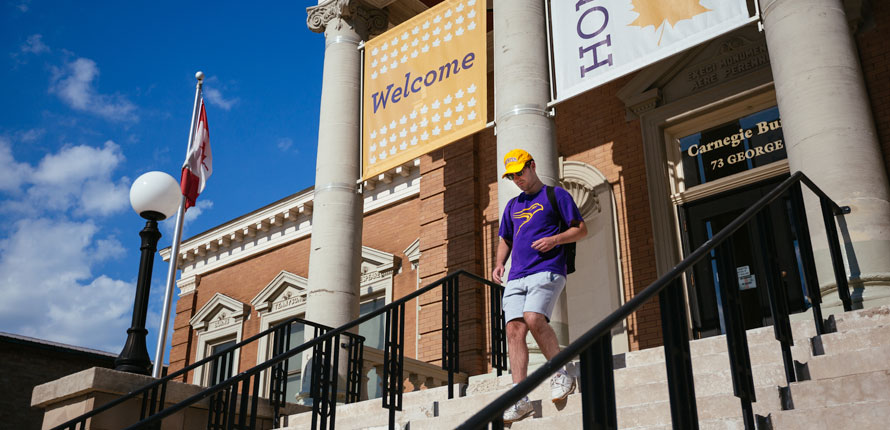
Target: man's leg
[(543, 334), (517, 349)]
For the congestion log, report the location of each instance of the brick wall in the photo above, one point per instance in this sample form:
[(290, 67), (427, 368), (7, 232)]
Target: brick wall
[(449, 241), (243, 280), (27, 364)]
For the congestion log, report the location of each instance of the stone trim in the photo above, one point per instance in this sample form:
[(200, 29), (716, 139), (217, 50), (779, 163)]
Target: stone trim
[(583, 182), (265, 300), (413, 253), (187, 285), (213, 325), (202, 319)]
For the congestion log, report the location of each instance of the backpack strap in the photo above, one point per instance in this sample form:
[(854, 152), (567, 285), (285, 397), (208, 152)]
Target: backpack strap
[(551, 195)]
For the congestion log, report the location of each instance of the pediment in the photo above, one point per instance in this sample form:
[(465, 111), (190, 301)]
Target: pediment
[(376, 265), (285, 290), (413, 251), (722, 60), (220, 311)]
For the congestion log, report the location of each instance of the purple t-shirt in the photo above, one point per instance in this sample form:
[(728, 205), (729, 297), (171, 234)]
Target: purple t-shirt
[(528, 218)]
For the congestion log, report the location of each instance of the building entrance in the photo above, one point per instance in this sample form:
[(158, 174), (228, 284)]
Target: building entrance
[(701, 220)]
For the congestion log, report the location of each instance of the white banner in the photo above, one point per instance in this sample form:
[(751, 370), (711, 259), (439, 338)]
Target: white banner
[(595, 41)]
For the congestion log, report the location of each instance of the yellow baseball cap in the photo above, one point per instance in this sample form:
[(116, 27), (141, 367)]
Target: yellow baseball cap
[(515, 161)]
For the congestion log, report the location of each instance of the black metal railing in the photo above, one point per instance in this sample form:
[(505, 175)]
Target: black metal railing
[(227, 407), (224, 391), (594, 346)]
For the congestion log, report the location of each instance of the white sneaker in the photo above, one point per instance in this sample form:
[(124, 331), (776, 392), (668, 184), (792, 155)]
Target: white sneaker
[(518, 411), (561, 386)]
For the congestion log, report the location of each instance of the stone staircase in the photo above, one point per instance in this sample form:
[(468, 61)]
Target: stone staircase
[(849, 387)]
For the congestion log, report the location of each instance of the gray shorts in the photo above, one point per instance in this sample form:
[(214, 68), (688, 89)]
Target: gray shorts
[(537, 292)]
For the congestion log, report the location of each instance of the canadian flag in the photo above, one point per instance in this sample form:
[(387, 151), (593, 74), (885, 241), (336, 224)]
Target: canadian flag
[(198, 164)]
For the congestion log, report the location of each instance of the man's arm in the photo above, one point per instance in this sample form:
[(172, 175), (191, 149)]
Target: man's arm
[(573, 234), (500, 259)]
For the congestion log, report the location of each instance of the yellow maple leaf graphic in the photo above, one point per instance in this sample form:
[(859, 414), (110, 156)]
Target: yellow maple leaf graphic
[(658, 12)]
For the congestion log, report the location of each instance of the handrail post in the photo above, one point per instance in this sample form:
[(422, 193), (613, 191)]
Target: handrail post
[(498, 330), (837, 260), (450, 331), (677, 358), (598, 408), (776, 292), (801, 231), (736, 337)]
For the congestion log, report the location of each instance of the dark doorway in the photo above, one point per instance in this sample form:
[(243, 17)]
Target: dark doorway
[(703, 219)]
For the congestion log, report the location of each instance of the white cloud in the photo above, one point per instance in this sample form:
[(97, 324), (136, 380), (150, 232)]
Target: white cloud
[(30, 135), (34, 45), (48, 289), (12, 173), (74, 85), (285, 143), (215, 97), (191, 215), (22, 5), (77, 178)]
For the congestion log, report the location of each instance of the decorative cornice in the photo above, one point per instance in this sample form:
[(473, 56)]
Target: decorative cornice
[(369, 19)]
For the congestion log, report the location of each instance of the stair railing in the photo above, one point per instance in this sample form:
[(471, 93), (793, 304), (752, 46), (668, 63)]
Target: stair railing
[(222, 395), (226, 407), (594, 347)]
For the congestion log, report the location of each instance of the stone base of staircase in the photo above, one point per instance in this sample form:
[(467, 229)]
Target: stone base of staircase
[(848, 387)]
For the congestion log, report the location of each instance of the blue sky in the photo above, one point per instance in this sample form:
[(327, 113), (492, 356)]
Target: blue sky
[(96, 93)]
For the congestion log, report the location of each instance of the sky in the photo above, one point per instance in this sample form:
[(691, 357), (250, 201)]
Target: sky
[(94, 94)]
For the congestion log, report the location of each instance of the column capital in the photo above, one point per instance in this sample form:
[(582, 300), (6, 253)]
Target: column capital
[(369, 19)]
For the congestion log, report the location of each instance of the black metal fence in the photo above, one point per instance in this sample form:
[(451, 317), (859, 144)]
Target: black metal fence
[(234, 400), (594, 347), (223, 395)]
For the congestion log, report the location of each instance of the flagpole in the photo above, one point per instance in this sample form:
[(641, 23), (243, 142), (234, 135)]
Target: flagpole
[(174, 255)]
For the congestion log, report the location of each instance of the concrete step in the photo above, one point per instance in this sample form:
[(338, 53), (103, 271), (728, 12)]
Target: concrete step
[(862, 387), (371, 413), (859, 416), (647, 384), (850, 363), (870, 317), (710, 408), (802, 330), (719, 406), (761, 351), (856, 339), (574, 421)]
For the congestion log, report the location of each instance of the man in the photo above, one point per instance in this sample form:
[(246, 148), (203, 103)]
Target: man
[(530, 231)]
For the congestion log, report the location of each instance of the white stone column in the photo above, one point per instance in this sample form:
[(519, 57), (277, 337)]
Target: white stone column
[(830, 136), (335, 255), (522, 91), (336, 243)]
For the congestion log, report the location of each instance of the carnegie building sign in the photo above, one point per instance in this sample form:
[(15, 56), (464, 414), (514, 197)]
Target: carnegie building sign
[(748, 142)]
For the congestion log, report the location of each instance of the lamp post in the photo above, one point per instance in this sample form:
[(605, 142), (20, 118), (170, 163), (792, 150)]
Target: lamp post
[(154, 196)]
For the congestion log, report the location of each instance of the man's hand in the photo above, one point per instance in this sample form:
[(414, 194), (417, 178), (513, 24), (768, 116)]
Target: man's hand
[(545, 244), (497, 273)]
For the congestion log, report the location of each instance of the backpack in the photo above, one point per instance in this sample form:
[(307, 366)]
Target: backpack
[(570, 249)]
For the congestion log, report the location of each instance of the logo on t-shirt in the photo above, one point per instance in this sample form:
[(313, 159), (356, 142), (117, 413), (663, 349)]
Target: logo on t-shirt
[(527, 214)]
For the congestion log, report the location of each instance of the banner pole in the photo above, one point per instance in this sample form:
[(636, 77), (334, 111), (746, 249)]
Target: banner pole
[(174, 255)]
